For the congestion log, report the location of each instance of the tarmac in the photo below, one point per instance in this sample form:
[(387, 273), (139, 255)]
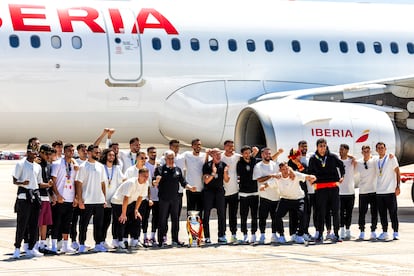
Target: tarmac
[(346, 258)]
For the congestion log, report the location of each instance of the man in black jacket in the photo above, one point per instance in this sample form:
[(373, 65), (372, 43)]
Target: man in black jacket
[(168, 178), (326, 166)]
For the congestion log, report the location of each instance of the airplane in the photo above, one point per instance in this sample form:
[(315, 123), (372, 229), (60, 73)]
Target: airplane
[(266, 73)]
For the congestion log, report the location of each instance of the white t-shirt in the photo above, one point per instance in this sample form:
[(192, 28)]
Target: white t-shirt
[(290, 189), (131, 172), (132, 189), (65, 178), (91, 175), (127, 159), (194, 169), (347, 187), (387, 179), (367, 177), (113, 178), (25, 170), (231, 187), (260, 170)]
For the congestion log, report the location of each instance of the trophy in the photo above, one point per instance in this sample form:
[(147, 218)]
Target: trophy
[(194, 229)]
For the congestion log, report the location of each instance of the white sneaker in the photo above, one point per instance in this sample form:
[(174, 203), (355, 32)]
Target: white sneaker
[(299, 239), (68, 249), (342, 233), (282, 239), (273, 239), (115, 243), (16, 254), (373, 236), (262, 239), (59, 245), (34, 253), (82, 248), (348, 234), (329, 236), (106, 245), (245, 239), (25, 247), (100, 248), (253, 238), (383, 236), (361, 236), (396, 236), (75, 245)]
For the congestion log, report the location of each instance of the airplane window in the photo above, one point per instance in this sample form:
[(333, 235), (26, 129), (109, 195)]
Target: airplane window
[(14, 41), (410, 48), (76, 42), (296, 46), (377, 47), (213, 44), (156, 43), (232, 45), (394, 47), (56, 42), (360, 47), (323, 45), (195, 44), (269, 45), (343, 46), (35, 41), (251, 46), (175, 43)]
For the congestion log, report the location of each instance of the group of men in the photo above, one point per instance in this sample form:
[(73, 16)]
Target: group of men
[(55, 191)]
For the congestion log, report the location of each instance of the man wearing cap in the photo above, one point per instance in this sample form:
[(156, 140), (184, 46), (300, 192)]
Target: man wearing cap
[(215, 173), (27, 175)]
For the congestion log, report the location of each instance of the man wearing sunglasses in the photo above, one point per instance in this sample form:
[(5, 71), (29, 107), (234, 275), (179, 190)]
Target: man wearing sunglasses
[(367, 196)]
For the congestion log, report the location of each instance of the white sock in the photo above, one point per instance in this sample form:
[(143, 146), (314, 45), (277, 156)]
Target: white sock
[(152, 235)]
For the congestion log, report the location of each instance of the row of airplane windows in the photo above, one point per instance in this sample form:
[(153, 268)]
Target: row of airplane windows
[(295, 44), (344, 47)]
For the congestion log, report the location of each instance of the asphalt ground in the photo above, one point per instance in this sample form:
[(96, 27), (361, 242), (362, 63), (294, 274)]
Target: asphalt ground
[(346, 258)]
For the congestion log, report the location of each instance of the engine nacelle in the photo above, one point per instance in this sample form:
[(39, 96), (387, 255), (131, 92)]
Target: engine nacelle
[(283, 123)]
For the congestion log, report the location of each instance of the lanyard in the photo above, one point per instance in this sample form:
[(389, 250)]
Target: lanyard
[(322, 161), (132, 159), (107, 174), (381, 164), (68, 168)]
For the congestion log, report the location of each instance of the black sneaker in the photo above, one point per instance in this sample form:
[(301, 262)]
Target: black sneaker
[(207, 241)]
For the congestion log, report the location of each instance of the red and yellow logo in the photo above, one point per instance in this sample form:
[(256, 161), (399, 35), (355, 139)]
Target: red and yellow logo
[(364, 137)]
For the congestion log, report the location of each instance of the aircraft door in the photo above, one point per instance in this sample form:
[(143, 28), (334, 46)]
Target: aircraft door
[(124, 48)]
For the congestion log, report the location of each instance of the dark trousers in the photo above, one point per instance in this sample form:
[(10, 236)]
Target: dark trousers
[(327, 201), (145, 209), (292, 206), (346, 206), (97, 211), (107, 222), (74, 227), (365, 200), (214, 199), (27, 221), (195, 202), (310, 211), (63, 219), (246, 203), (122, 229), (155, 210), (267, 207), (388, 202), (232, 201), (167, 208)]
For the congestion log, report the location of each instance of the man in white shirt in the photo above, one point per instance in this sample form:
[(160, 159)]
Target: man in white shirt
[(231, 188), (291, 199), (27, 175), (90, 191), (129, 158), (346, 193), (63, 176), (194, 161), (126, 202), (388, 188), (265, 173), (366, 167)]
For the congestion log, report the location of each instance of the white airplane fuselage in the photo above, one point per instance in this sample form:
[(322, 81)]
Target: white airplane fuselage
[(117, 79)]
